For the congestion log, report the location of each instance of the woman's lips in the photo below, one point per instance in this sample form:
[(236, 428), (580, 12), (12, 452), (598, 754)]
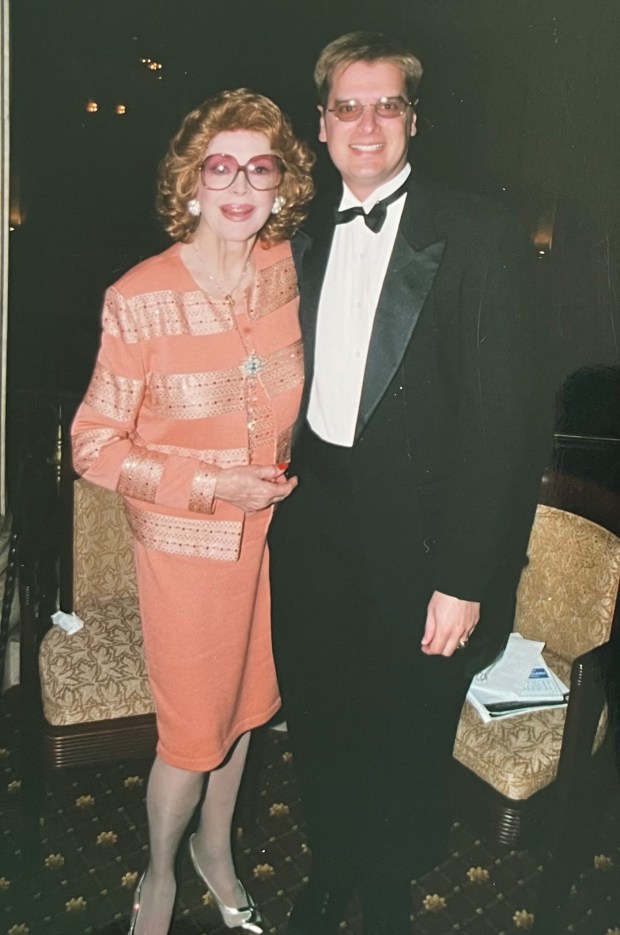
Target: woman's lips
[(237, 212)]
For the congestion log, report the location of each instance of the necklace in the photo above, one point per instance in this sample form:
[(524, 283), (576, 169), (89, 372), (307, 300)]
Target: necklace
[(227, 293)]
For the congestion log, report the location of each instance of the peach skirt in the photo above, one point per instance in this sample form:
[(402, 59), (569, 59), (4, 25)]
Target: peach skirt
[(207, 640)]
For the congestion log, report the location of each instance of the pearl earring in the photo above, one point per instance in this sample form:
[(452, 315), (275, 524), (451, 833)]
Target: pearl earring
[(278, 204), (193, 206)]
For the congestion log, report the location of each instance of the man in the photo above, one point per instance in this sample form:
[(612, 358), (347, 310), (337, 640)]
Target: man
[(396, 561)]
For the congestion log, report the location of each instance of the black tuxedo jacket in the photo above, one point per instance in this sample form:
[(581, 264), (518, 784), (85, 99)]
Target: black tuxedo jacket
[(448, 441)]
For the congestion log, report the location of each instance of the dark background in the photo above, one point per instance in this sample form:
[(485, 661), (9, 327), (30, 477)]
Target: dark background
[(519, 102)]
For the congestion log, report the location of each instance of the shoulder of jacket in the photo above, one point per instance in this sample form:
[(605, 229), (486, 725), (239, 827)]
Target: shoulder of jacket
[(150, 274)]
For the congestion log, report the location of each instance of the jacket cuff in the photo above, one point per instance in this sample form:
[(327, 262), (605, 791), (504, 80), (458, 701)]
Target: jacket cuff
[(202, 491)]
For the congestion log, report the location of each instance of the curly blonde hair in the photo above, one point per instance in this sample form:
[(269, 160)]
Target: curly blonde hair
[(240, 109)]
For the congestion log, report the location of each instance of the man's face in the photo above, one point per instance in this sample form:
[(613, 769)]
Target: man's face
[(371, 150)]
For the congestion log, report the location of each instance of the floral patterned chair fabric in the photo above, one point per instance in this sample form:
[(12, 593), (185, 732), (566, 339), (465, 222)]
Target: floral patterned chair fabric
[(567, 597), (98, 673)]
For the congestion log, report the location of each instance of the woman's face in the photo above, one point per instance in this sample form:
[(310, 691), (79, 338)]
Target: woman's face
[(239, 211)]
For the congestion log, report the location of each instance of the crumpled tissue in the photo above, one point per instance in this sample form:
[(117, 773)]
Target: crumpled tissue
[(70, 623)]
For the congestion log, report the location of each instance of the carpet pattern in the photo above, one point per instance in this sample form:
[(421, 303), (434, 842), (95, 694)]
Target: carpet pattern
[(95, 846)]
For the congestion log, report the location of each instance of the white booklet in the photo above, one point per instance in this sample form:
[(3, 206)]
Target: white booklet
[(518, 681)]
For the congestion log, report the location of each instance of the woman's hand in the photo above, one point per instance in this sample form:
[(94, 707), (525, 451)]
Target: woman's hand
[(254, 487)]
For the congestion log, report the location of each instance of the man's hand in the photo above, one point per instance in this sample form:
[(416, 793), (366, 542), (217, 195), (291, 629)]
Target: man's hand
[(449, 624), (252, 487)]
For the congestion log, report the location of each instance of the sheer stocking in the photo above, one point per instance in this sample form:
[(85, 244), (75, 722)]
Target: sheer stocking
[(172, 796), (212, 843)]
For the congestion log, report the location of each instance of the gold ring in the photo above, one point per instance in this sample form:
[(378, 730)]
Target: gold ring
[(462, 644)]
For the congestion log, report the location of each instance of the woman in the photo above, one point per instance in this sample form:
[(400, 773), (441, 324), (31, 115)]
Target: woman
[(189, 415)]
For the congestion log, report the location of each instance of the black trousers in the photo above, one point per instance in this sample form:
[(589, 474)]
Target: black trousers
[(372, 719)]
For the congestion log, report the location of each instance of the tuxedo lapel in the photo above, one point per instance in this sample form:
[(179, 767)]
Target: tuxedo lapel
[(315, 263), (410, 275), (313, 275), (409, 278)]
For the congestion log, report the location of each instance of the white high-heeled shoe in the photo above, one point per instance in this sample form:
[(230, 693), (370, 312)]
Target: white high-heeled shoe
[(246, 917), (137, 905), (135, 909)]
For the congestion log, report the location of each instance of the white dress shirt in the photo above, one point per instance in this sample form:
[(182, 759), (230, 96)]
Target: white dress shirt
[(356, 268)]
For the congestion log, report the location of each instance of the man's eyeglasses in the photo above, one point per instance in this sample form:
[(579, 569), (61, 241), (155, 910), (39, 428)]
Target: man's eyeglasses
[(389, 107), (220, 170)]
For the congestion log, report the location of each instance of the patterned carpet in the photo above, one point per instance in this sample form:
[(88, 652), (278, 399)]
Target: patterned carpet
[(95, 843)]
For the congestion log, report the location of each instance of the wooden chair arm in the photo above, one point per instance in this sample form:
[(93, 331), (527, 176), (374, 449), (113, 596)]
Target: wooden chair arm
[(589, 692), (37, 561), (592, 686), (32, 628)]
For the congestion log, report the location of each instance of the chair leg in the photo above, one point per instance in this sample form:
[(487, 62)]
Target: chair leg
[(33, 779), (32, 802), (31, 738), (10, 578)]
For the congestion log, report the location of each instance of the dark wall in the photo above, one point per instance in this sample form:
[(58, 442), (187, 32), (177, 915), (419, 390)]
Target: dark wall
[(519, 102)]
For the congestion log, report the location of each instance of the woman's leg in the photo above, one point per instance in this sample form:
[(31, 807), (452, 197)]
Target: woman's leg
[(171, 798), (212, 842)]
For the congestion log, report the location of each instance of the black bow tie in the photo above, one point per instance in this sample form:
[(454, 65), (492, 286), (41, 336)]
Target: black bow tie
[(376, 216)]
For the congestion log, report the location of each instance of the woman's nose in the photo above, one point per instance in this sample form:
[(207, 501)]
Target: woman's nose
[(241, 183)]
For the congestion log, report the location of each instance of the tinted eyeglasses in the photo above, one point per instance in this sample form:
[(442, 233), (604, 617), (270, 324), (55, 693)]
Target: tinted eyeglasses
[(389, 107), (219, 170)]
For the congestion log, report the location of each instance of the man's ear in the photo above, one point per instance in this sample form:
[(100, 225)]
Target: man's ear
[(322, 133), (414, 128)]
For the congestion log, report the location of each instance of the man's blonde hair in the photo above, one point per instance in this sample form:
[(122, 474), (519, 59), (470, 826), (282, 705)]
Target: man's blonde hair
[(365, 47)]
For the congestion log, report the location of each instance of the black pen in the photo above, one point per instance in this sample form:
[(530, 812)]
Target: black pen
[(498, 707)]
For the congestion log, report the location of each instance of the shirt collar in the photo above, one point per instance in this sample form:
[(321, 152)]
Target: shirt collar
[(349, 200)]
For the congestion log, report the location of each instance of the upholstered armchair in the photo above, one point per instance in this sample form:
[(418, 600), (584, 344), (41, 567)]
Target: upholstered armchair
[(86, 695), (94, 688), (531, 778)]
